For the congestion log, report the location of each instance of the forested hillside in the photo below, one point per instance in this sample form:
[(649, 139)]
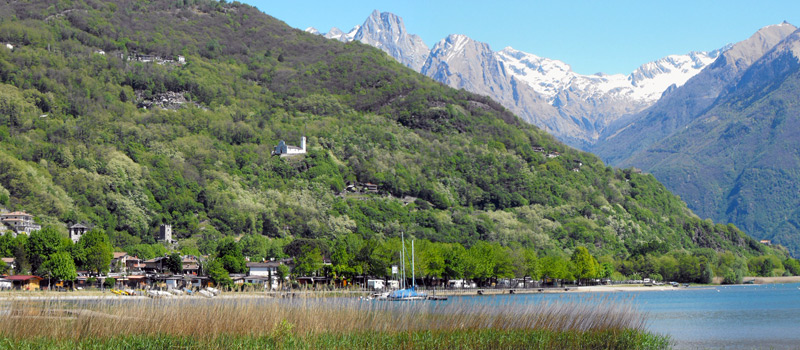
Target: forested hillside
[(95, 129)]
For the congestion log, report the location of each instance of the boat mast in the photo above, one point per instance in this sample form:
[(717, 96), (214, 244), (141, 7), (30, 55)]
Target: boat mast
[(403, 258), (413, 278)]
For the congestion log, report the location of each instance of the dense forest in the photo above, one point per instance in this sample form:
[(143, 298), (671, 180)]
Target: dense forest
[(100, 122)]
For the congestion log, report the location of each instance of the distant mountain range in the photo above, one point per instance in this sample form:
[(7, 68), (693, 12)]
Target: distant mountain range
[(575, 108), (718, 128), (728, 141)]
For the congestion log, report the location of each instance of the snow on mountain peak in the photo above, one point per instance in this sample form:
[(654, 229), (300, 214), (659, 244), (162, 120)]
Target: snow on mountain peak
[(545, 76), (646, 84)]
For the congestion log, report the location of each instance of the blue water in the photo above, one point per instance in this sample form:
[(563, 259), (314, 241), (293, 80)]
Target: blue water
[(724, 317)]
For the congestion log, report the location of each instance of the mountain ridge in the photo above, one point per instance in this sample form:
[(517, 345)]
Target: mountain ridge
[(576, 108), (733, 162)]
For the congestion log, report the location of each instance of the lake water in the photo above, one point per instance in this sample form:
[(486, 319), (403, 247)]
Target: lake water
[(730, 317)]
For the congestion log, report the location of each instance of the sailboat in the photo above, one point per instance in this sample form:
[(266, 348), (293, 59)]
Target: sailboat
[(407, 293)]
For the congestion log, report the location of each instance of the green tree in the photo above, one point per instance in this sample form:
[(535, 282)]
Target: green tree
[(479, 262), (218, 274), (584, 263), (282, 272), (94, 251), (255, 246), (60, 266), (343, 256), (308, 263), (41, 245), (532, 267), (453, 255), (229, 253), (175, 263), (20, 252), (555, 267), (606, 270), (708, 274), (141, 251), (792, 266)]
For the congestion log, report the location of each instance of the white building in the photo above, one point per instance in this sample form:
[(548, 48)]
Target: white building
[(76, 232), (19, 222), (283, 149)]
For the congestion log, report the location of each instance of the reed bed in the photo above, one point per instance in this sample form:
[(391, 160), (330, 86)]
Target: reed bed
[(323, 323)]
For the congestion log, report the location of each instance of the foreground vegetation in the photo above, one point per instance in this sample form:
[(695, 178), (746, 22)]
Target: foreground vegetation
[(321, 323), (468, 339)]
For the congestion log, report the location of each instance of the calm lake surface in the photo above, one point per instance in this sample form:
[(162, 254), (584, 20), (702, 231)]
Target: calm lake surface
[(730, 317)]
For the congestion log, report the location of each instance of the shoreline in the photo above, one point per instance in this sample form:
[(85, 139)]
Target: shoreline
[(98, 295)]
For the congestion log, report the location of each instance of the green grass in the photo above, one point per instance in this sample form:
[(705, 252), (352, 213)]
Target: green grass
[(466, 339)]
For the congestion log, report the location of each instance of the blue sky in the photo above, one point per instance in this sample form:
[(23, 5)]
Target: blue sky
[(591, 36)]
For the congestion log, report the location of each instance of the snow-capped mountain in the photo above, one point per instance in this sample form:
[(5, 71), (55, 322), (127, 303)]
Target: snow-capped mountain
[(645, 85), (576, 108)]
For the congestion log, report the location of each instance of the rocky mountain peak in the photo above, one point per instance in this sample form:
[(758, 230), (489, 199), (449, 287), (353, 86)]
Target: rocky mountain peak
[(387, 32), (744, 53)]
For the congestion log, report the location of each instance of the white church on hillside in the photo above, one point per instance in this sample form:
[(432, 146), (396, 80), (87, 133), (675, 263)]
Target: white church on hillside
[(282, 149)]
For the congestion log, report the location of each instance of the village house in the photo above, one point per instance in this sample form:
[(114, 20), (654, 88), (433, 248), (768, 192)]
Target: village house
[(191, 265), (25, 282), (262, 282), (553, 155), (155, 265), (766, 242), (370, 187), (284, 150), (19, 222), (266, 273), (134, 281), (123, 263), (268, 268)]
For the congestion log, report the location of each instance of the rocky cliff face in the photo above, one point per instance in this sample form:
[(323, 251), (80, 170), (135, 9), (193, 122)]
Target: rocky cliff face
[(387, 32)]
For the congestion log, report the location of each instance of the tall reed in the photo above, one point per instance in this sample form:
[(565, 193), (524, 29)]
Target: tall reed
[(310, 318)]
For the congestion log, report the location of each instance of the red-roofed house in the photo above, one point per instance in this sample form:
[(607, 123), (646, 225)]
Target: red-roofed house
[(25, 282)]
